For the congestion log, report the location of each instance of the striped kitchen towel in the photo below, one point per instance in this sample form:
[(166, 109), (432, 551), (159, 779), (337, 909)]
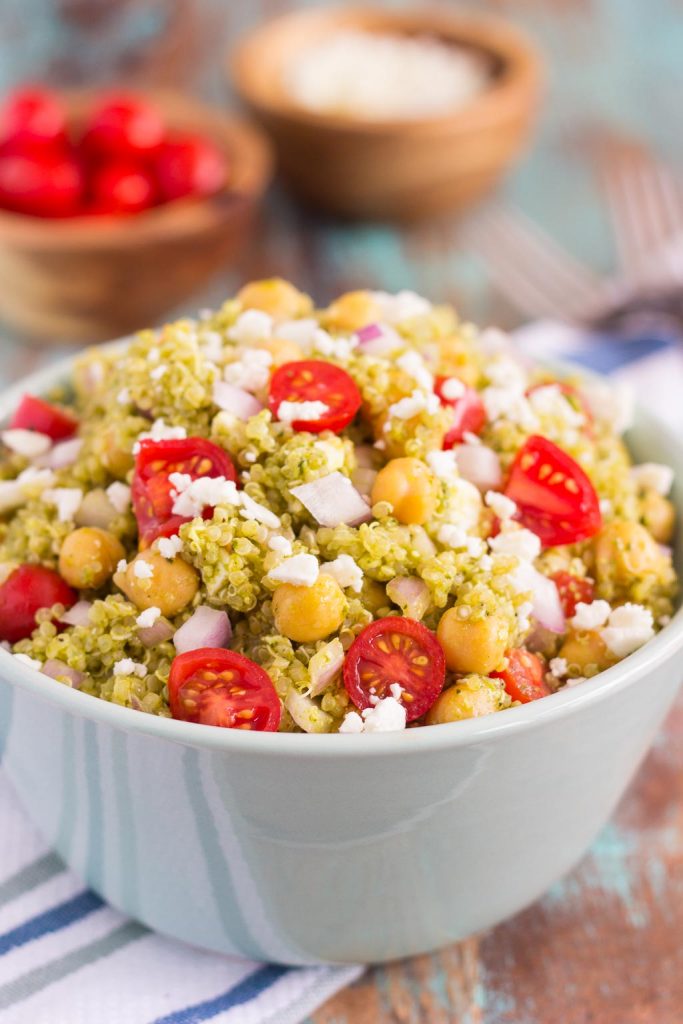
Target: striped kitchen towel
[(68, 958)]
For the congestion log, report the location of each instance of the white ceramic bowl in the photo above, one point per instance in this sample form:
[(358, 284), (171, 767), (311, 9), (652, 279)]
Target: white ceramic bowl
[(317, 849)]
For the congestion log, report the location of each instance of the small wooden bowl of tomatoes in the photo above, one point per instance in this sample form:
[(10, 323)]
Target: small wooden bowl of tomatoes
[(116, 207)]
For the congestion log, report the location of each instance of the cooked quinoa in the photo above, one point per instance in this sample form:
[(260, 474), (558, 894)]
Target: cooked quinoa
[(195, 489)]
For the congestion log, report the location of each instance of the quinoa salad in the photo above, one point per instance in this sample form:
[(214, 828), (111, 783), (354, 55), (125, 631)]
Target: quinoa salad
[(350, 519)]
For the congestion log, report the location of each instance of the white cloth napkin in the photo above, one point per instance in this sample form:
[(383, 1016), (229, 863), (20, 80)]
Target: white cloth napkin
[(67, 958)]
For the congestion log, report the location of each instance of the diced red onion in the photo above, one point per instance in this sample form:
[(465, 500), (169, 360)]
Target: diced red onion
[(61, 455), (206, 627), (480, 465), (547, 607), (55, 668), (369, 333), (159, 633), (378, 339), (324, 666), (235, 400), (78, 614), (411, 594), (333, 500)]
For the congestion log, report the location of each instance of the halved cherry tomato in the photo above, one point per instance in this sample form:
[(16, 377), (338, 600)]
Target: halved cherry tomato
[(574, 397), (35, 414), (572, 590), (469, 414), (554, 497), (33, 116), (41, 184), (190, 166), (312, 380), (395, 650), (123, 126), (523, 678), (25, 591), (151, 487), (213, 686), (122, 187)]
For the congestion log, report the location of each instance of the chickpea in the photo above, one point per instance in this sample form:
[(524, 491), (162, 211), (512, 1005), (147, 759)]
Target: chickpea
[(171, 586), (275, 296), (472, 697), (352, 311), (586, 652), (659, 516), (89, 556), (281, 350), (409, 487), (311, 613), (477, 646), (625, 551), (116, 458)]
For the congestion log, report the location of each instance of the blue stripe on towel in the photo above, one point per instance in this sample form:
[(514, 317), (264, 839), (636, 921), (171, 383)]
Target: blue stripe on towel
[(53, 920), (607, 354), (246, 990)]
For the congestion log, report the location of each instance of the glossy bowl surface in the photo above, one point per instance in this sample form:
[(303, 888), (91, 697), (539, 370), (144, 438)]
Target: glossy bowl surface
[(329, 849)]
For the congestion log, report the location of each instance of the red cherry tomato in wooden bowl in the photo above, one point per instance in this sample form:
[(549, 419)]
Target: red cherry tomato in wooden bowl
[(395, 650), (122, 187), (25, 591), (123, 126), (213, 686), (523, 678), (41, 184), (36, 414), (32, 116), (190, 166), (554, 497), (313, 380), (151, 488)]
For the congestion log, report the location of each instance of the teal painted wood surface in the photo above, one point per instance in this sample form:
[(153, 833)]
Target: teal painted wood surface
[(603, 946)]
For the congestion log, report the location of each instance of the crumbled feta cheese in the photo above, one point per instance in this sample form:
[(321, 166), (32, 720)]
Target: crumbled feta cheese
[(606, 506), (190, 496), (148, 617), (333, 452), (160, 431), (67, 501), (119, 496), (504, 371), (404, 305), (452, 388), (558, 667), (628, 628), (28, 443), (524, 616), (123, 397), (253, 510), (501, 506), (301, 332), (30, 482), (31, 662), (653, 476), (158, 372), (388, 715), (121, 565), (443, 465), (251, 326), (521, 543), (142, 569), (169, 547), (590, 616), (251, 371), (413, 364), (575, 680), (299, 570), (153, 356), (470, 438), (345, 571), (280, 544), (307, 412), (550, 401), (507, 403), (212, 346), (464, 503), (611, 403), (128, 667), (413, 405), (396, 691), (453, 536), (336, 348), (352, 723)]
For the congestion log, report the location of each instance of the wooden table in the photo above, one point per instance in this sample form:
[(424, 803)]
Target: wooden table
[(604, 946)]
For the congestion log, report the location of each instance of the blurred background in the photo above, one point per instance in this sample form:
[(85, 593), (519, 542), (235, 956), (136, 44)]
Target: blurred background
[(606, 141)]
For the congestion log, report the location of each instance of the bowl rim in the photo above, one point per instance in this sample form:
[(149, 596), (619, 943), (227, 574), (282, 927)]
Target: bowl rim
[(251, 168), (501, 39), (447, 736)]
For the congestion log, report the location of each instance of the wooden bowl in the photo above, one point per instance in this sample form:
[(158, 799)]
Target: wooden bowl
[(90, 278), (392, 169)]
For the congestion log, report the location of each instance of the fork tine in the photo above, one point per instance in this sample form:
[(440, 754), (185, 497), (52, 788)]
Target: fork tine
[(532, 270)]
